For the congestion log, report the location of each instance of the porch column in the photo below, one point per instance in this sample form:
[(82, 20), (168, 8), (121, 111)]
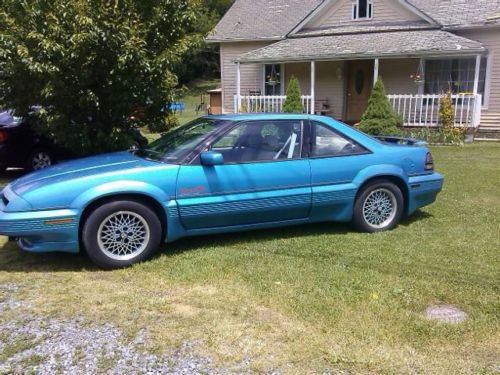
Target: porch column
[(476, 75), (375, 71), (238, 87), (313, 85)]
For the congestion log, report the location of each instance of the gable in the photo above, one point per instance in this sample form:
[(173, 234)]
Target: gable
[(340, 13)]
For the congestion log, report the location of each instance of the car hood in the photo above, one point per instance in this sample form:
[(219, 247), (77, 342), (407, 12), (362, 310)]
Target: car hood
[(78, 168)]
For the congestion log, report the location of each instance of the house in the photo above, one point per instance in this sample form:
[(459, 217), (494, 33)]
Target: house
[(338, 48)]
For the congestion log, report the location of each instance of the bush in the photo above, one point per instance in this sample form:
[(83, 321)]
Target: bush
[(379, 117), (293, 102), (447, 120)]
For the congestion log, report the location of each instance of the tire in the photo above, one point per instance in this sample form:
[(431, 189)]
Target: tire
[(125, 247), (378, 207), (39, 159)]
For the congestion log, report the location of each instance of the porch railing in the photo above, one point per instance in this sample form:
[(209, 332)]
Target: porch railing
[(423, 110), (267, 103)]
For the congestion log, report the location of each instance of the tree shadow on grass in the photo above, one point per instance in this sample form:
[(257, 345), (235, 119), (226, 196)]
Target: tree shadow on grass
[(13, 259)]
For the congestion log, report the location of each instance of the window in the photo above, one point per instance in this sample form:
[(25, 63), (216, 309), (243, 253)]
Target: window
[(179, 142), (261, 141), (327, 142), (456, 75), (272, 79), (362, 9)]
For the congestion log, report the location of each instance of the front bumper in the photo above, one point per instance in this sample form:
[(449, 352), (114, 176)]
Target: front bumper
[(42, 231), (423, 190)]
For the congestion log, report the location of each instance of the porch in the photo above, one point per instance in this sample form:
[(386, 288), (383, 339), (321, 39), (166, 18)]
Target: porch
[(414, 110), (337, 74)]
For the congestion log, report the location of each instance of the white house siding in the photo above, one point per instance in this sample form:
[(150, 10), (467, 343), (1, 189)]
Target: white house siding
[(341, 12), (329, 82), (396, 73), (251, 74), (491, 40)]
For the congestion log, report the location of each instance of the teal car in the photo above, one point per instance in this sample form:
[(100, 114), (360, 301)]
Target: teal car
[(219, 174)]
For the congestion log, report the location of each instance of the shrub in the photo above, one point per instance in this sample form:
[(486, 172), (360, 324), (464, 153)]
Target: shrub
[(379, 117), (451, 134), (293, 102)]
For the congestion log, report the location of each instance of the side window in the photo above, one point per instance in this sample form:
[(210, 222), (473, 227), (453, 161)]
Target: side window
[(327, 142), (261, 141)]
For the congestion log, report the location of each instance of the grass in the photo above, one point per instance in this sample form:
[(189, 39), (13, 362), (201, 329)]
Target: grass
[(311, 298)]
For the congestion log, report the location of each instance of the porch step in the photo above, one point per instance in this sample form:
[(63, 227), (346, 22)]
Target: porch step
[(488, 133)]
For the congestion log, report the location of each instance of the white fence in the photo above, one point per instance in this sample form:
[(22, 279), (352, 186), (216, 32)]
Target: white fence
[(267, 103), (415, 110), (423, 110)]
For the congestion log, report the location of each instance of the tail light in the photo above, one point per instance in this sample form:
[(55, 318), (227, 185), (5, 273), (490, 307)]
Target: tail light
[(3, 136), (429, 162)]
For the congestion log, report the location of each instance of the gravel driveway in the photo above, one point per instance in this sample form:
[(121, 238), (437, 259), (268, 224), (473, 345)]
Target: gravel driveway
[(35, 345)]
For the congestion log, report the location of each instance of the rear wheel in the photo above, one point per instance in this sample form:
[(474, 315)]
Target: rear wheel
[(120, 233), (39, 159), (378, 207)]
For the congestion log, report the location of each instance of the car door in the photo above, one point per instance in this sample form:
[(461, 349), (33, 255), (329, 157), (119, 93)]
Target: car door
[(262, 179), (335, 161)]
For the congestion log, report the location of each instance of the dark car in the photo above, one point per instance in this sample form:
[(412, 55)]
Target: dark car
[(22, 147)]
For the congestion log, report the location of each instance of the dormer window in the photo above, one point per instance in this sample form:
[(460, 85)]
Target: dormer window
[(362, 10)]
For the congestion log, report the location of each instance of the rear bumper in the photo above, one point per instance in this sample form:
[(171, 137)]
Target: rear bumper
[(423, 190), (42, 231)]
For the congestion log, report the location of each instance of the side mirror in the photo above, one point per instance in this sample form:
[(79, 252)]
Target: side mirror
[(211, 158)]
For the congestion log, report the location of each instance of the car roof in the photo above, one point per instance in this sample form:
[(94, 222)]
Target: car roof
[(261, 116)]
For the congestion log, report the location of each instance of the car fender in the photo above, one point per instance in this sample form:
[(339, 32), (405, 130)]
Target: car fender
[(379, 170), (119, 187)]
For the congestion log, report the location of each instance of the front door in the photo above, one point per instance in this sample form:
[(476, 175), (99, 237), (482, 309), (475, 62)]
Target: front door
[(359, 87), (263, 178)]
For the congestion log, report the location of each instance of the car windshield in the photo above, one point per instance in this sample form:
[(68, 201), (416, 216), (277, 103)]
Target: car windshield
[(179, 142)]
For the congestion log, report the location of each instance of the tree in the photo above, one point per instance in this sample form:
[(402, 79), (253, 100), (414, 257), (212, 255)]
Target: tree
[(91, 64), (293, 102), (379, 117), (203, 60)]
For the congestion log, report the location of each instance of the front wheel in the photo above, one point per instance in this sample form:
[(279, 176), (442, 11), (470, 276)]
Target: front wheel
[(378, 207), (121, 233)]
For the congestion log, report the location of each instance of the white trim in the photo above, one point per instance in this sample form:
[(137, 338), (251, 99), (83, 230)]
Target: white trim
[(283, 78), (369, 11), (477, 69), (238, 88), (417, 12), (313, 86), (223, 109), (311, 16), (487, 80), (319, 12)]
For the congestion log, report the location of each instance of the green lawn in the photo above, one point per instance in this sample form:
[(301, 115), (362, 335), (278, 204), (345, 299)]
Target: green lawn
[(312, 298)]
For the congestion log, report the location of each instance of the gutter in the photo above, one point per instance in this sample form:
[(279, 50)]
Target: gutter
[(297, 59)]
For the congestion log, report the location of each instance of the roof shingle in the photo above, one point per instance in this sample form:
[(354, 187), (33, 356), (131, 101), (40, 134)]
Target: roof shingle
[(367, 45), (460, 12), (262, 19)]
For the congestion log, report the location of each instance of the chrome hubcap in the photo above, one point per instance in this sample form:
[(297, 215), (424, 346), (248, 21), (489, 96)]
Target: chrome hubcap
[(123, 235), (41, 160), (379, 208)]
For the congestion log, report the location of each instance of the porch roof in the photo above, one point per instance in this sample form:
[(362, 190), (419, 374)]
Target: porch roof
[(421, 43)]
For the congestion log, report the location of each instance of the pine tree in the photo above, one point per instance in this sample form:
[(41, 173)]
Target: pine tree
[(379, 117), (293, 102)]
